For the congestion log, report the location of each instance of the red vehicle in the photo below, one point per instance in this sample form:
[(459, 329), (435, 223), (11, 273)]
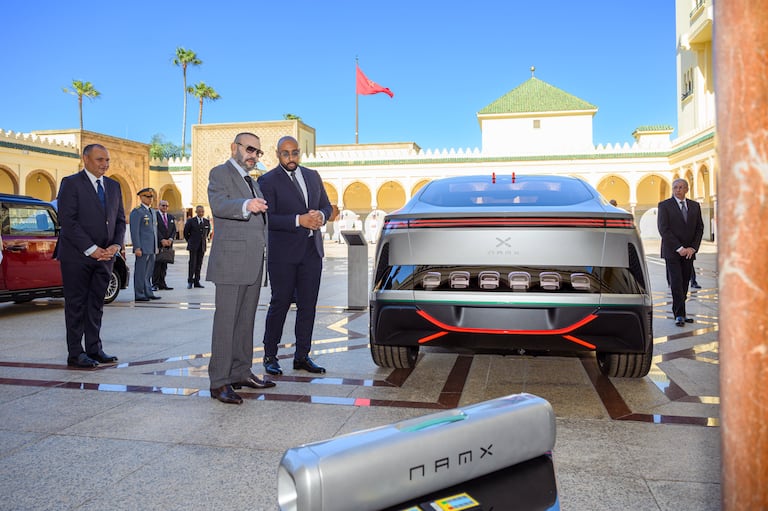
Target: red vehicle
[(30, 231)]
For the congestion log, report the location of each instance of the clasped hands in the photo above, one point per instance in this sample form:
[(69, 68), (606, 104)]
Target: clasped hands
[(105, 254), (312, 219), (687, 252)]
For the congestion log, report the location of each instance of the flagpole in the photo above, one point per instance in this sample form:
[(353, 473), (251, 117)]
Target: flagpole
[(357, 96)]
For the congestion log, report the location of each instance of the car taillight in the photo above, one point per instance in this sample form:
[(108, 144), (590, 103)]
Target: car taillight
[(549, 280), (459, 279), (519, 280), (488, 279)]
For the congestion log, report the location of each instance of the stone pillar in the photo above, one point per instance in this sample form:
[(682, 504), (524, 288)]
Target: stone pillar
[(741, 68)]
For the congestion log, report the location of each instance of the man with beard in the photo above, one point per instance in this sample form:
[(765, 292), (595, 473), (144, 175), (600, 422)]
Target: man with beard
[(298, 208), (235, 266)]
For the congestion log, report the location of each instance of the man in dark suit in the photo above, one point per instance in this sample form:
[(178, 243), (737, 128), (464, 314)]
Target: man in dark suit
[(197, 230), (143, 226), (236, 267), (298, 208), (681, 228), (166, 233), (90, 207)]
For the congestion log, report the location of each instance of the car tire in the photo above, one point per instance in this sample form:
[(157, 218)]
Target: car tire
[(398, 357), (113, 288), (629, 365)]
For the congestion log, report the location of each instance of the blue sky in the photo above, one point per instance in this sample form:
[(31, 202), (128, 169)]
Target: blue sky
[(444, 61)]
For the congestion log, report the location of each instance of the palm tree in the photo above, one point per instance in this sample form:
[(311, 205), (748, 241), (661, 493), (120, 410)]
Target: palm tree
[(202, 92), (80, 89), (185, 58)]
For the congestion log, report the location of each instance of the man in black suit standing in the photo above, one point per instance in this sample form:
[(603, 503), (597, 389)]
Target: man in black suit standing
[(298, 207), (90, 207), (166, 233), (681, 228), (196, 232)]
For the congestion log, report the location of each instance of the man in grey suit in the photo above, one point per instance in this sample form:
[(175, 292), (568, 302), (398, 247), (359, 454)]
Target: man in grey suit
[(143, 222), (235, 266)]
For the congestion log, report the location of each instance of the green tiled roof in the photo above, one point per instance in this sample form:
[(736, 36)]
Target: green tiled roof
[(654, 127), (535, 95)]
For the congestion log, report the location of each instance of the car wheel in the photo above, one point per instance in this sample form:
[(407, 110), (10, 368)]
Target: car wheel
[(398, 357), (113, 288), (628, 365)]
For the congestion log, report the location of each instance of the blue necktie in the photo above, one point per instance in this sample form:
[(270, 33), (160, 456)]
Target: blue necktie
[(100, 192)]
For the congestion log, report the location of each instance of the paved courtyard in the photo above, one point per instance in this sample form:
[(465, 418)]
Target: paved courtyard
[(145, 434)]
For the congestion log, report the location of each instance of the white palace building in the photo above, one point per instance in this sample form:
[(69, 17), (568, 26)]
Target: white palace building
[(536, 128)]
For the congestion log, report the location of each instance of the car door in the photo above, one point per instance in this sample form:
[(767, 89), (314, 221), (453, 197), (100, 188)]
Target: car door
[(29, 234)]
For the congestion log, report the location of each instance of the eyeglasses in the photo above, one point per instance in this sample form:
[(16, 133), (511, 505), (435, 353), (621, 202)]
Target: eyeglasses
[(250, 150), (148, 196), (163, 205), (285, 154)]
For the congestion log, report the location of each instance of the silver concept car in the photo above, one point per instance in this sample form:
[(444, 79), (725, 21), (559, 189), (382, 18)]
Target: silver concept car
[(504, 264)]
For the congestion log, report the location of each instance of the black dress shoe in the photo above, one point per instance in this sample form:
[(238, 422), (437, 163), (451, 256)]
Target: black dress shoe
[(226, 394), (103, 358), (307, 365), (82, 360), (197, 284), (155, 297), (166, 288), (271, 366), (141, 299), (254, 382), (694, 285), (689, 320), (679, 321), (189, 285)]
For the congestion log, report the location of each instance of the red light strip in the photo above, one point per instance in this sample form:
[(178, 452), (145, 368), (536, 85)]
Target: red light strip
[(560, 331), (513, 222), (432, 337), (579, 341)]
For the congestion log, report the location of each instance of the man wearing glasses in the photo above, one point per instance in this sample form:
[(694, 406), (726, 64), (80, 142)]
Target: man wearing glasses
[(143, 224), (236, 267), (298, 208)]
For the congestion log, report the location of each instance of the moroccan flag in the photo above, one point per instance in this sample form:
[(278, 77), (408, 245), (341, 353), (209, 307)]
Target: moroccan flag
[(366, 86)]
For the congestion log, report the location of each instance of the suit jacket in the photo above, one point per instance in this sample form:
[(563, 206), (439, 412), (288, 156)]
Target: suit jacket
[(675, 231), (84, 221), (284, 202), (163, 232), (196, 234), (237, 251), (144, 230)]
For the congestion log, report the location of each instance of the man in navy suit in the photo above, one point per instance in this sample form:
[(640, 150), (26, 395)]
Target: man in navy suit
[(681, 228), (197, 230), (298, 207), (90, 208), (166, 233)]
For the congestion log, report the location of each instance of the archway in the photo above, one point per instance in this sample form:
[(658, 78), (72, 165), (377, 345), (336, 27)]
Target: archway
[(616, 188), (8, 182), (391, 196), (418, 186), (40, 185), (357, 197)]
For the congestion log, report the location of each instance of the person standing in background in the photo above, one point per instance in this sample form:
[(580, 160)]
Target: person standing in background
[(143, 222), (681, 228), (90, 208), (197, 230), (298, 208), (166, 233)]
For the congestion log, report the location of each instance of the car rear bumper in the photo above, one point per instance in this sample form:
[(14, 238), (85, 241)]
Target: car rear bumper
[(498, 328)]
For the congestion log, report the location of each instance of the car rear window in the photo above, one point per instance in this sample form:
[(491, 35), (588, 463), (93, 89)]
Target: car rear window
[(485, 192)]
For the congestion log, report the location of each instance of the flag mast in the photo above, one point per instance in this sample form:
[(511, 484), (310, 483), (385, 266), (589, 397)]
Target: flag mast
[(357, 96)]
